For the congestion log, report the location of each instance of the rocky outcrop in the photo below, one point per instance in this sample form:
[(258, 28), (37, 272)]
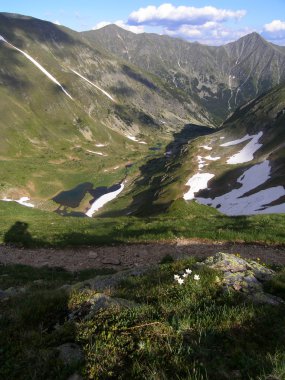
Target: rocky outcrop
[(245, 277), (97, 303)]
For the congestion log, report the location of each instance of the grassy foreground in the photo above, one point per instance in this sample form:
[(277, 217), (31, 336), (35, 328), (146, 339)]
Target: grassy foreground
[(170, 331), (35, 228)]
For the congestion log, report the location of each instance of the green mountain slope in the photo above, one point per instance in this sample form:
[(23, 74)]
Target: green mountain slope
[(239, 170), (88, 114), (57, 135)]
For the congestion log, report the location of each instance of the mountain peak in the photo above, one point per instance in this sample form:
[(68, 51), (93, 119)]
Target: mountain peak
[(113, 28), (253, 37)]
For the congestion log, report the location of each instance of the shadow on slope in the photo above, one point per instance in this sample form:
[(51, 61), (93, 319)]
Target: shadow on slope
[(158, 172)]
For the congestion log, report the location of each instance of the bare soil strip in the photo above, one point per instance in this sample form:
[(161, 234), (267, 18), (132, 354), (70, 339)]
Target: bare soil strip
[(123, 257)]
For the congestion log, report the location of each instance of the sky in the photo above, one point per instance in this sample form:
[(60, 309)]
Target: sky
[(212, 22)]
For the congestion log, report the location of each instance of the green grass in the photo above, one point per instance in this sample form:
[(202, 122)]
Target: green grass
[(41, 278), (193, 331), (34, 228)]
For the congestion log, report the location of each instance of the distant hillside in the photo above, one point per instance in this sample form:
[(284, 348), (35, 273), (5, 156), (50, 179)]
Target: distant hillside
[(239, 170), (112, 113), (71, 112), (219, 78)]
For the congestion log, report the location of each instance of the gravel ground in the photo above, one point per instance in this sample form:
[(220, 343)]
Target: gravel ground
[(123, 257)]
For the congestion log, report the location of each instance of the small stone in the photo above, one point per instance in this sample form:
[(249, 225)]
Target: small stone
[(3, 295), (70, 353), (111, 261), (75, 376), (237, 287), (93, 255), (236, 374), (38, 282)]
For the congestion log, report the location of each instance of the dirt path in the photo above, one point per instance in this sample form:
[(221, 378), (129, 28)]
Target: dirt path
[(135, 255)]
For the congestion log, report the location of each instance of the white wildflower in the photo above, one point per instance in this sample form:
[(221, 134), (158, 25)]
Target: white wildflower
[(176, 277), (185, 275), (196, 277), (188, 271), (180, 281)]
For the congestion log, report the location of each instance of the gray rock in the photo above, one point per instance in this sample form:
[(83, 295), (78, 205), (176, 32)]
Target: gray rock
[(97, 303), (111, 261), (12, 292), (75, 376), (265, 298), (226, 262), (101, 302), (260, 272), (70, 353), (3, 295), (92, 255), (243, 276), (101, 283), (66, 288)]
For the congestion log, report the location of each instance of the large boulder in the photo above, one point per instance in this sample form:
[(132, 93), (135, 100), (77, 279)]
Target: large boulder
[(244, 276), (97, 303)]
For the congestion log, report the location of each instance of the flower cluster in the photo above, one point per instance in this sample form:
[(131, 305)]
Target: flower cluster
[(181, 279)]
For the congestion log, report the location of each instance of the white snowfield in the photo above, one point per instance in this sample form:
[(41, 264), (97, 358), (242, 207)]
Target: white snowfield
[(206, 147), (236, 202), (100, 202), (135, 139), (247, 153), (22, 201), (202, 162), (39, 66), (210, 158), (100, 145), (94, 85), (198, 182), (235, 142)]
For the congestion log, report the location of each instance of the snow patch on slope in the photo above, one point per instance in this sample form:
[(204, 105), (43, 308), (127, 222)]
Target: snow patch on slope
[(94, 85), (135, 139), (22, 201), (235, 142), (98, 153), (247, 153), (236, 203), (210, 158), (198, 182), (39, 66), (100, 202), (205, 147)]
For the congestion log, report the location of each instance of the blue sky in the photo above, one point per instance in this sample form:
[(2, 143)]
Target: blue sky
[(207, 21)]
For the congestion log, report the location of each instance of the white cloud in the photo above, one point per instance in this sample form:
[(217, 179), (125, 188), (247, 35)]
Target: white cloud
[(131, 28), (168, 15), (275, 26), (275, 32), (211, 33), (56, 22)]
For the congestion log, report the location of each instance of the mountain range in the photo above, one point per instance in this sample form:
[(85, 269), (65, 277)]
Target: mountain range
[(159, 118)]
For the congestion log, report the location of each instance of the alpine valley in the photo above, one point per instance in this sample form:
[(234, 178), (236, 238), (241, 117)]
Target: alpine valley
[(108, 123), (142, 194)]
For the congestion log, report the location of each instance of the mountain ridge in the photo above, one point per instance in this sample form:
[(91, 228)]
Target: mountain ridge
[(213, 75), (92, 118)]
